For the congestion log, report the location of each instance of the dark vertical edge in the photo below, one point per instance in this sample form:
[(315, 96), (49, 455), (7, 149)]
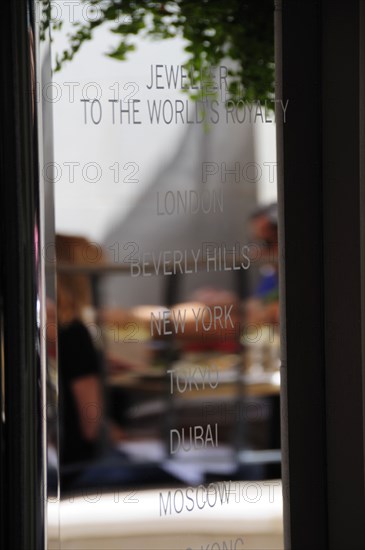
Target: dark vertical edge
[(47, 284), (298, 72), (342, 273), (362, 187), (22, 443), (281, 238)]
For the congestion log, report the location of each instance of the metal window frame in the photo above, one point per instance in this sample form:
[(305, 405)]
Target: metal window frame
[(22, 437), (321, 203)]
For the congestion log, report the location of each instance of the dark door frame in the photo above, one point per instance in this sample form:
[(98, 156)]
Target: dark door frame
[(321, 205), (22, 503)]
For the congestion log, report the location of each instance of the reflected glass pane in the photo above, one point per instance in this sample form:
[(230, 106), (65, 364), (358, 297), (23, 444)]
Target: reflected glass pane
[(164, 176)]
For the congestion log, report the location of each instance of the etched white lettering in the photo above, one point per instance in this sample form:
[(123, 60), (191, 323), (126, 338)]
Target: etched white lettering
[(189, 202), (194, 437), (166, 321), (197, 379), (194, 497)]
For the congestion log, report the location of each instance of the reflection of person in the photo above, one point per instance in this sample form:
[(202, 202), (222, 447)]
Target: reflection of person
[(264, 306), (81, 393), (81, 401)]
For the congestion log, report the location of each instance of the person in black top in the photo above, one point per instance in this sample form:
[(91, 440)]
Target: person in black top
[(80, 394), (80, 369)]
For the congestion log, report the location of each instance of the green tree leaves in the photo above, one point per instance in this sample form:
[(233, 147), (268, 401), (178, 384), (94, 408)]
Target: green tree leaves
[(215, 31)]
